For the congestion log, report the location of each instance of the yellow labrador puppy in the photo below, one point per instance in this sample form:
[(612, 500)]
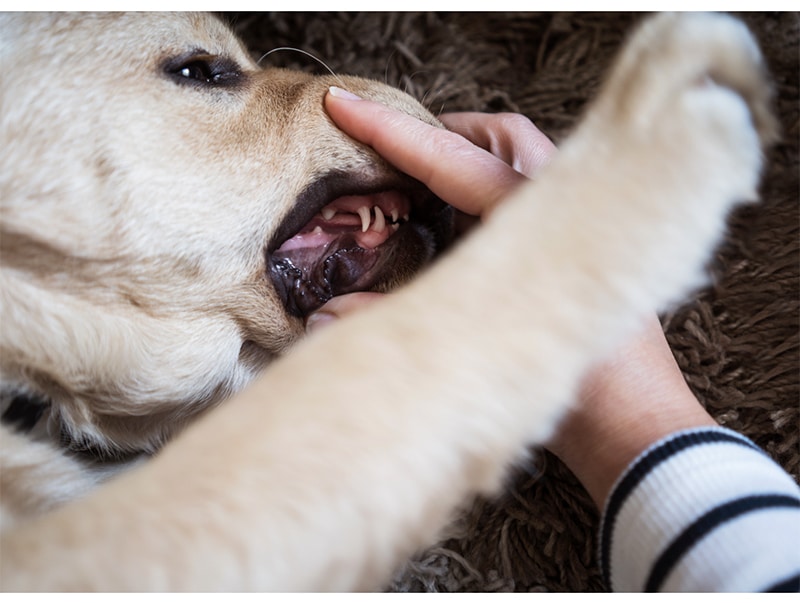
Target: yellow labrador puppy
[(170, 214)]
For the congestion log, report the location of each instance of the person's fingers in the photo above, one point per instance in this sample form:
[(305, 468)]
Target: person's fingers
[(456, 170), (509, 136), (339, 307)]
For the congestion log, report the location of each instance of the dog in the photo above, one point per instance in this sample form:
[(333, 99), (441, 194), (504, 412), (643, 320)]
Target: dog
[(171, 213)]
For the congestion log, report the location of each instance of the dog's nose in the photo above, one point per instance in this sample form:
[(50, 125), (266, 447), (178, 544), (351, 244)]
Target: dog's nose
[(382, 93)]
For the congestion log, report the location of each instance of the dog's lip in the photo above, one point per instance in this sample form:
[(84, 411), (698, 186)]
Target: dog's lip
[(337, 184)]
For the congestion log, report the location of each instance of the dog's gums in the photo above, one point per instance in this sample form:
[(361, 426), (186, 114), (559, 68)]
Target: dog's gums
[(371, 218)]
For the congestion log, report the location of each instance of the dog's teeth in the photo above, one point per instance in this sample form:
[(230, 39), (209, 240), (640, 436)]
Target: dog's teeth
[(405, 218), (364, 212), (328, 213), (380, 221), (395, 226), (395, 215), (317, 230)]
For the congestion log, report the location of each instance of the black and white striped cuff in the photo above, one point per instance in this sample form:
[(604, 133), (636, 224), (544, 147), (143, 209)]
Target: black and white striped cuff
[(702, 510)]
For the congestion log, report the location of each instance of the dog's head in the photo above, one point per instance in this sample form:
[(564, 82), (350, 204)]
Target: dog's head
[(171, 212)]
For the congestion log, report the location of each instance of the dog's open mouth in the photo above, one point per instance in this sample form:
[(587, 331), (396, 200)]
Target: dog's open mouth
[(345, 236)]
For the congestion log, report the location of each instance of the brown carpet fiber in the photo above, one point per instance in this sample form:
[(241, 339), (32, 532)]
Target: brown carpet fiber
[(736, 341)]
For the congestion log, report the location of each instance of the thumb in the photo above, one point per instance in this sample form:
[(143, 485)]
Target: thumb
[(339, 307)]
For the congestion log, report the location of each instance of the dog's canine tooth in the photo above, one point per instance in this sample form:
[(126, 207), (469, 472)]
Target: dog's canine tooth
[(395, 215), (328, 213), (380, 221), (364, 212)]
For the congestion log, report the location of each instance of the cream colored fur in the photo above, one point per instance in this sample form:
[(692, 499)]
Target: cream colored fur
[(132, 285)]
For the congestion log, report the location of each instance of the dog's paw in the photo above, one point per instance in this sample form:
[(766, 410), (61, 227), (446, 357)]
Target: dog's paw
[(674, 58), (674, 140), (690, 92)]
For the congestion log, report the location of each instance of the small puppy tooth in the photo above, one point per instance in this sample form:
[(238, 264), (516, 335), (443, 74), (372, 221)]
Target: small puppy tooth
[(405, 218), (317, 230), (380, 221), (363, 211), (328, 213), (395, 215), (395, 226)]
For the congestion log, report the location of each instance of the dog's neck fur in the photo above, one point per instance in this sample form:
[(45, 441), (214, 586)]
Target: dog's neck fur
[(22, 410), (29, 413)]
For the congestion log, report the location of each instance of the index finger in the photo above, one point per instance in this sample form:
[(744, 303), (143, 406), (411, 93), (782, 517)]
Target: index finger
[(457, 171), (511, 137)]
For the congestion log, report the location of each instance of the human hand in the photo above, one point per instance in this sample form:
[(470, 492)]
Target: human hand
[(473, 166), (510, 137)]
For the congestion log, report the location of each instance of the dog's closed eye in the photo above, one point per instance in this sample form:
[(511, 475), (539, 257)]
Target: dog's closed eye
[(200, 68)]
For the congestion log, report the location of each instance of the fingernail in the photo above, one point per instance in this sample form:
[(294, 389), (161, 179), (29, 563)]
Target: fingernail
[(319, 320), (343, 94)]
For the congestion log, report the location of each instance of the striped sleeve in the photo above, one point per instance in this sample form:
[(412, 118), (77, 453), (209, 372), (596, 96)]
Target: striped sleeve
[(704, 510)]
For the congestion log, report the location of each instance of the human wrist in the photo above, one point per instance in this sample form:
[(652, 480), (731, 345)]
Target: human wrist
[(597, 450), (624, 405)]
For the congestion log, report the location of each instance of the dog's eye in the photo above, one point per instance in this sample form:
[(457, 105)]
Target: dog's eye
[(203, 69), (196, 70)]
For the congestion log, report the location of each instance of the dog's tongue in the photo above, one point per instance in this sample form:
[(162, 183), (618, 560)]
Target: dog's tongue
[(337, 252)]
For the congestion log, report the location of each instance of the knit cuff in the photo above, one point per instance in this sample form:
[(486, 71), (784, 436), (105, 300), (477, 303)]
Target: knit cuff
[(702, 510)]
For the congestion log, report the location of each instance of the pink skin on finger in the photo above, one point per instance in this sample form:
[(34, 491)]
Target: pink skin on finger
[(511, 137), (339, 307)]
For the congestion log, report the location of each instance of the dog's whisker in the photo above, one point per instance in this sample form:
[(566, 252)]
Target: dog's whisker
[(308, 54), (423, 100), (407, 83), (434, 92), (386, 69)]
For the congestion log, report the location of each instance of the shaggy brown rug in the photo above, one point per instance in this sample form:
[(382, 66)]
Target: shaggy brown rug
[(736, 341)]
